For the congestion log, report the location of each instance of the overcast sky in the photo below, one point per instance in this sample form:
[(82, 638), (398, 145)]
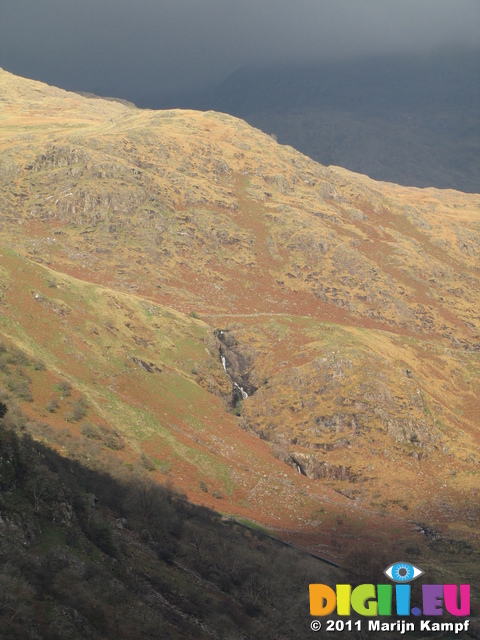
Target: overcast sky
[(123, 47)]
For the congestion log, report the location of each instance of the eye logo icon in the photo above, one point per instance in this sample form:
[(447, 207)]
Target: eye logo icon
[(402, 572)]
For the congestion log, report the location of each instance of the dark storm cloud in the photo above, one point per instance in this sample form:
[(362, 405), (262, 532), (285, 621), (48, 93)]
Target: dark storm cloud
[(128, 46)]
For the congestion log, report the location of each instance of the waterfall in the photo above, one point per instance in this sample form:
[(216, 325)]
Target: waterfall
[(242, 391)]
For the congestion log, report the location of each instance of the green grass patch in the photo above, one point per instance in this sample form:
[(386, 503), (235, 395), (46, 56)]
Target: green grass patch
[(164, 466), (254, 525)]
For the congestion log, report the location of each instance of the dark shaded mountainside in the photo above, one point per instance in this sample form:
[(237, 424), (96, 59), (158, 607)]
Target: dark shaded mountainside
[(408, 119), (186, 303), (88, 555)]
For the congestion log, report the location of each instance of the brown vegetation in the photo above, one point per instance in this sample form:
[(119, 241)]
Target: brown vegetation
[(128, 237)]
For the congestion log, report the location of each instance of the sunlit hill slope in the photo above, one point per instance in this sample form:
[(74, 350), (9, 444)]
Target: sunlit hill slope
[(159, 261)]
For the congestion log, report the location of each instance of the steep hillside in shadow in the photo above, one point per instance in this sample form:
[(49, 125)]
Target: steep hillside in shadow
[(87, 554)]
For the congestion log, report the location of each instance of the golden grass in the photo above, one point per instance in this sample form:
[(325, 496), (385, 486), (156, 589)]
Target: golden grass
[(359, 298)]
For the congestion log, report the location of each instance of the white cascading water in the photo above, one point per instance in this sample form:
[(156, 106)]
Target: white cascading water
[(241, 389)]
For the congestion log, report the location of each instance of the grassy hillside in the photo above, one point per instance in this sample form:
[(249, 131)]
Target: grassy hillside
[(152, 263), (95, 547)]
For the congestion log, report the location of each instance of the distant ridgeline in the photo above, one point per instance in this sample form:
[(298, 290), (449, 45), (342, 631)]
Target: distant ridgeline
[(412, 120)]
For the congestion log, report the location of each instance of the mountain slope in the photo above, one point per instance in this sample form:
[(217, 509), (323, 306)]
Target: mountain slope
[(88, 555), (141, 248)]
